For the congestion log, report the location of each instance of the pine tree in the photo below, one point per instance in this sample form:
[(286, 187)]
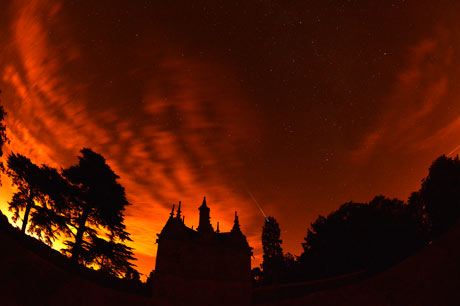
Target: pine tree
[(37, 194), (273, 253), (97, 215), (440, 193)]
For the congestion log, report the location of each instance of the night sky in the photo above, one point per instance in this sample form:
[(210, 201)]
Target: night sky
[(299, 106)]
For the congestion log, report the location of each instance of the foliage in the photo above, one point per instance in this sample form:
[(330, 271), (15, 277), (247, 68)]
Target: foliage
[(256, 277), (97, 205), (440, 194), (273, 253), (3, 137), (37, 194), (360, 236), (291, 268), (133, 275), (374, 235), (86, 202), (112, 257), (25, 177), (149, 280)]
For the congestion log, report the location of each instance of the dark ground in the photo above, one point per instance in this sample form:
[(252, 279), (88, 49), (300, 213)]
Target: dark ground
[(430, 277), (28, 279)]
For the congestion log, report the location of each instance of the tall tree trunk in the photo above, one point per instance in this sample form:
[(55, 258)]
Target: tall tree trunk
[(79, 238), (26, 214)]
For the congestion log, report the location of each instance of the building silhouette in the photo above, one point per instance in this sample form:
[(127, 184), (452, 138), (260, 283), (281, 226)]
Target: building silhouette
[(202, 266)]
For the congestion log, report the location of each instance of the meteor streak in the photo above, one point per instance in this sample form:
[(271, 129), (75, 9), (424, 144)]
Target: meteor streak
[(255, 201), (453, 151)]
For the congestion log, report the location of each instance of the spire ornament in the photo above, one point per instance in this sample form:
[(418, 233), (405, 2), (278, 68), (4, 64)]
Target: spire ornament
[(178, 211), (236, 224), (205, 223), (172, 212)]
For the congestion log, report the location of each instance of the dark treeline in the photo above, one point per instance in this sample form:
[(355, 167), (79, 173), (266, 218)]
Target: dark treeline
[(366, 237)]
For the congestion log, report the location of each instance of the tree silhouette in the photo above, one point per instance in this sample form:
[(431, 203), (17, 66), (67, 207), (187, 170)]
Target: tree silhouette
[(256, 277), (48, 220), (3, 137), (149, 280), (37, 194), (25, 175), (97, 209), (416, 208), (360, 236), (112, 257), (133, 275), (273, 253), (440, 194), (291, 268)]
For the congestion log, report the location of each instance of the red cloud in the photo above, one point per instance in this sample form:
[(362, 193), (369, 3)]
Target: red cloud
[(177, 143)]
